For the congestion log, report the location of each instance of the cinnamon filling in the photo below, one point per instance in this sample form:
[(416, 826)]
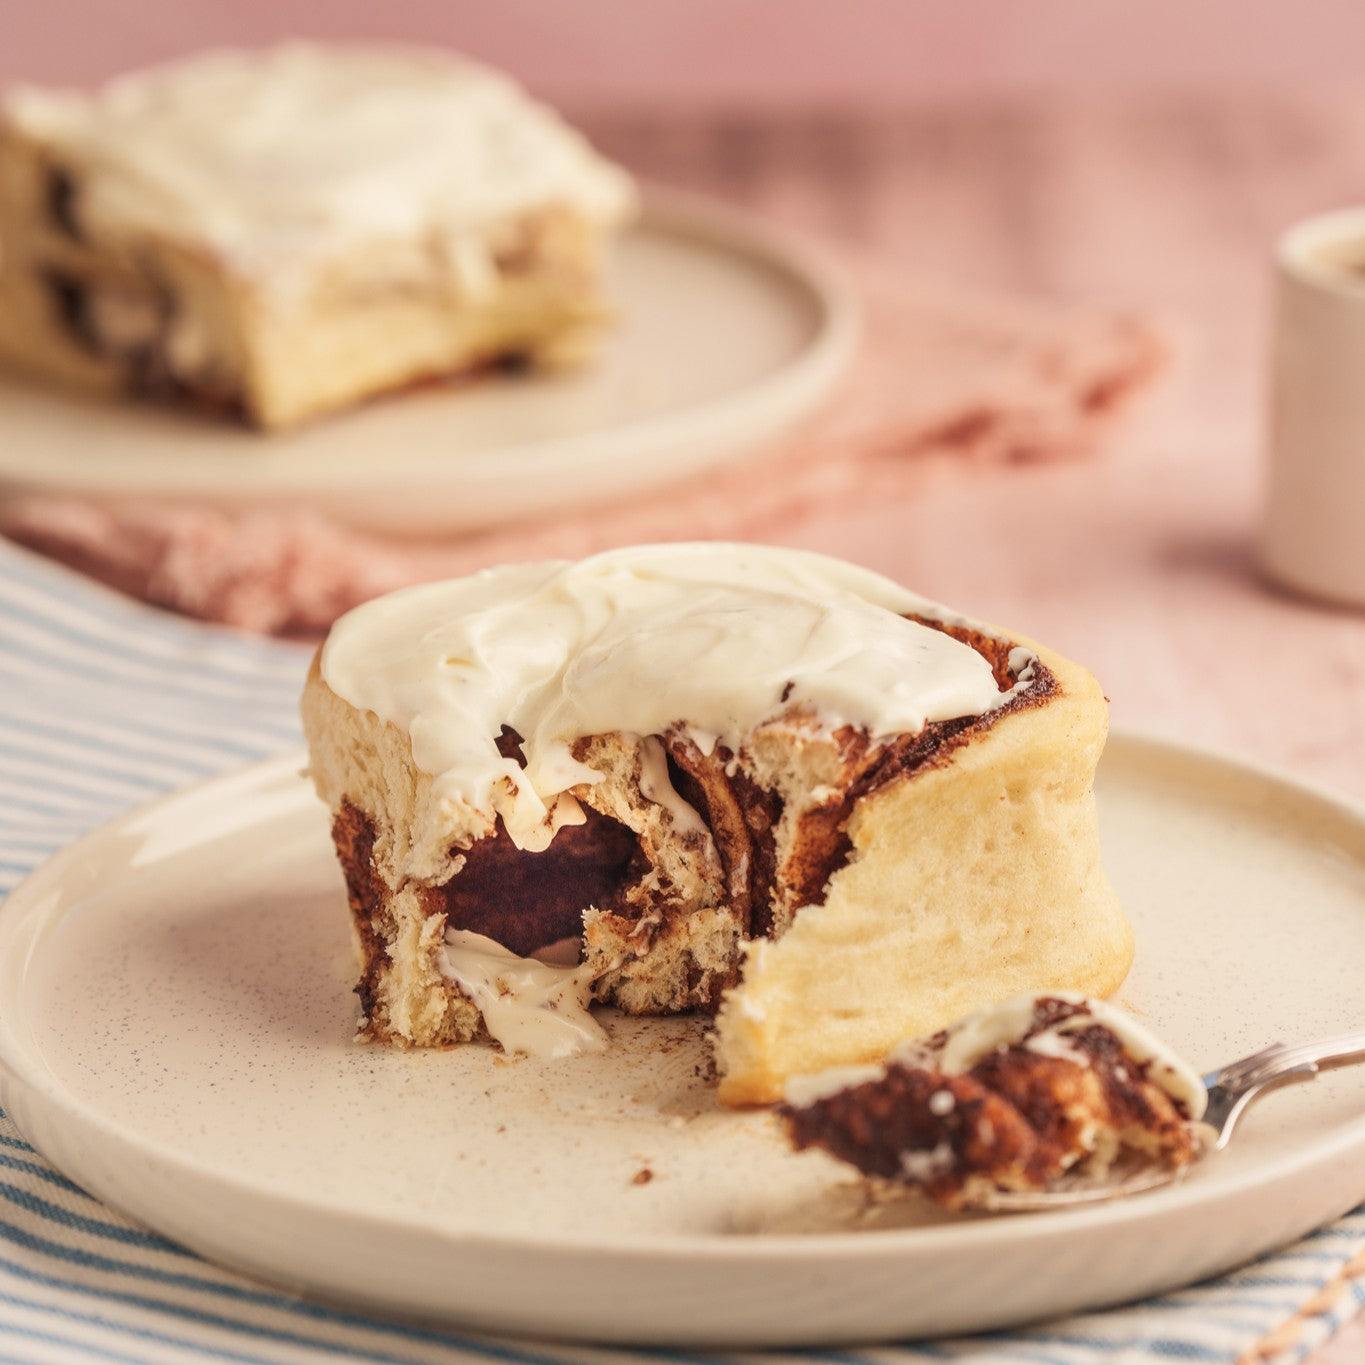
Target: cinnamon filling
[(125, 324), (131, 325), (527, 901), (61, 198), (71, 306)]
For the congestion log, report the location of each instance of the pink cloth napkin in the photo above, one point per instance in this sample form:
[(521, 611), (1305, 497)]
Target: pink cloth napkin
[(937, 372)]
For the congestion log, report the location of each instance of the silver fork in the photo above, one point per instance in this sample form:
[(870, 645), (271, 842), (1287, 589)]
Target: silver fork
[(1231, 1091)]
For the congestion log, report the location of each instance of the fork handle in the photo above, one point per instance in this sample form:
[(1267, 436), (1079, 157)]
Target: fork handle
[(1344, 1051), (1279, 1058), (1233, 1087)]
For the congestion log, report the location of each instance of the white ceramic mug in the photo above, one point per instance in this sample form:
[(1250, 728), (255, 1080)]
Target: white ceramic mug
[(1313, 532)]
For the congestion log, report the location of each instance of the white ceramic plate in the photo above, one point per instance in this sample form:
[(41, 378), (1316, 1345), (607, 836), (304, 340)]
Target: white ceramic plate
[(175, 1034), (729, 333)]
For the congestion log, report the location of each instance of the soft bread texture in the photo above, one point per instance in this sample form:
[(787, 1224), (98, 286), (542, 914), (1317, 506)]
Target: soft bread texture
[(833, 902), (975, 878), (667, 940)]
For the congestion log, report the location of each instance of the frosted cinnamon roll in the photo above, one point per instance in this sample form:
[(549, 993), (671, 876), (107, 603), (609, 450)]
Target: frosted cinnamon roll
[(280, 234), (752, 781)]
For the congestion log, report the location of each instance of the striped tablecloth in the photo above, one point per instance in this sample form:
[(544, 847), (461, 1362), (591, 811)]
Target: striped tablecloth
[(107, 704)]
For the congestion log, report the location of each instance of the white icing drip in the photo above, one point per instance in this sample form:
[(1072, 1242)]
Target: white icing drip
[(820, 1085), (528, 1006), (1021, 663), (1005, 1024), (656, 786), (919, 1167), (942, 1103), (703, 739), (301, 152), (739, 875), (720, 638)]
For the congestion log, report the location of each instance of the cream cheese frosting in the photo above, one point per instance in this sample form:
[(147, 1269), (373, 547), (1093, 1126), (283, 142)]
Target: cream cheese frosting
[(291, 155), (712, 640)]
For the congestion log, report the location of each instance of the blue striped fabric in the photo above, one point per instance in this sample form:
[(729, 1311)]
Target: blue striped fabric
[(107, 704)]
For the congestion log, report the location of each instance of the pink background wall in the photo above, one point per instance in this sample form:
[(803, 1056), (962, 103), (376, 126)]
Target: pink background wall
[(743, 52)]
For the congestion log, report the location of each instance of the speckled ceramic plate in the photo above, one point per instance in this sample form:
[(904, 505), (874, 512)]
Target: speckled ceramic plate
[(175, 1034), (729, 332)]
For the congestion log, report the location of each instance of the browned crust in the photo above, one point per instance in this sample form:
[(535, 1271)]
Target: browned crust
[(353, 834)]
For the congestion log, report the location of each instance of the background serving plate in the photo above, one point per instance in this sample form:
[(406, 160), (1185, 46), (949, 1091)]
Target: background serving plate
[(729, 333), (175, 1034)]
